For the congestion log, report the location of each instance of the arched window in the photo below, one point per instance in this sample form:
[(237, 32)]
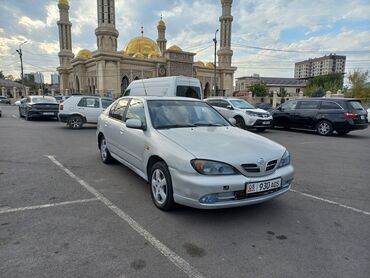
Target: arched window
[(136, 78), (124, 84)]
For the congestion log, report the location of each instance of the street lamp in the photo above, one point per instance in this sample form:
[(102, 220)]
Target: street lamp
[(215, 72), (20, 56)]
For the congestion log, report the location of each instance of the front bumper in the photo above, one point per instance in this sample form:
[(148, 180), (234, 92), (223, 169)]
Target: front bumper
[(189, 189), (265, 123)]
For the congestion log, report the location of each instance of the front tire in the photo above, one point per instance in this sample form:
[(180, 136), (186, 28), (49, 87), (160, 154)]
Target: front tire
[(240, 122), (104, 152), (161, 186), (324, 128), (75, 122)]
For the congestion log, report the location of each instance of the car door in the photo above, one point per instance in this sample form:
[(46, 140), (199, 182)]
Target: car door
[(132, 141), (304, 115), (90, 107), (283, 114), (113, 125)]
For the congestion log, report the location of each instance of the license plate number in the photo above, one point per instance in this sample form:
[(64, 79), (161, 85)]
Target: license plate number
[(261, 186), (266, 123), (48, 113)]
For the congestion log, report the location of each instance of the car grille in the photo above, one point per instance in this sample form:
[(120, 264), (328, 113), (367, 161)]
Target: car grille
[(254, 168), (263, 115)]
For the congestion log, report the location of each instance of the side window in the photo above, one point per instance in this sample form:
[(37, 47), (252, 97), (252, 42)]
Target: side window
[(223, 104), (290, 105), (308, 105), (89, 102), (118, 110), (127, 93), (329, 105), (136, 111), (213, 102)]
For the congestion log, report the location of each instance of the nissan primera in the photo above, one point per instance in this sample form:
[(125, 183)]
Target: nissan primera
[(191, 155)]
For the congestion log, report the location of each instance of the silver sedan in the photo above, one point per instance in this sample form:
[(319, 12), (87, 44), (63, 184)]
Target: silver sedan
[(191, 155)]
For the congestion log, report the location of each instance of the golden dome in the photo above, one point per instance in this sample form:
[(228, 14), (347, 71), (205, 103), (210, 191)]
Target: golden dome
[(63, 2), (161, 23), (210, 65), (124, 53), (175, 48), (84, 53), (142, 45), (138, 55), (154, 55), (200, 64)]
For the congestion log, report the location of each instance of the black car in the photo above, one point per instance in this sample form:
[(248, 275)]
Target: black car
[(39, 106), (4, 100), (324, 115)]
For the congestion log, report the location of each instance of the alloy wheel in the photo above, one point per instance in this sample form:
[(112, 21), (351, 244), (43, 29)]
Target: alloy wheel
[(159, 186)]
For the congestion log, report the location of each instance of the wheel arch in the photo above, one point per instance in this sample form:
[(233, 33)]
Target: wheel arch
[(151, 161), (79, 115), (100, 136)]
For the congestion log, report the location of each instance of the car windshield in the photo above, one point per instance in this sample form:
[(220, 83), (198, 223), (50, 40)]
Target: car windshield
[(180, 113), (356, 105), (44, 100), (241, 104), (106, 102)]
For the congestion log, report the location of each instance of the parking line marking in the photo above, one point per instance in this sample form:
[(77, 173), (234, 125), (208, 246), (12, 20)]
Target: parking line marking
[(2, 211), (331, 202), (178, 261)]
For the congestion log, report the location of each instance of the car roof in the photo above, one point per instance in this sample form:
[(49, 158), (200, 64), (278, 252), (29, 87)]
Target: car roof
[(163, 98), (328, 99)]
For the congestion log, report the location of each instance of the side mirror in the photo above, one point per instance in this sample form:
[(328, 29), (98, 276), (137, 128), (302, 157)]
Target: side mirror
[(135, 124), (229, 107), (232, 121)]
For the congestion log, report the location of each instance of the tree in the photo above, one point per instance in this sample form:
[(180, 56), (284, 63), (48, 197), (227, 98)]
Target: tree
[(358, 80), (259, 90), (331, 82), (10, 77), (318, 93)]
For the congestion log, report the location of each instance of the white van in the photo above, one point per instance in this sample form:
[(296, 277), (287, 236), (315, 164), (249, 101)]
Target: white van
[(180, 86)]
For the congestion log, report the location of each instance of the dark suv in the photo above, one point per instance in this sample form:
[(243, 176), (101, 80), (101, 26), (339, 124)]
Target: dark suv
[(322, 114)]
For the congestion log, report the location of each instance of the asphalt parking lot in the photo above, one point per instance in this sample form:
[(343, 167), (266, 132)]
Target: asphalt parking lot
[(63, 213)]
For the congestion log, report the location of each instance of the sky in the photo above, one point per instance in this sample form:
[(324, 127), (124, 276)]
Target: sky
[(294, 30)]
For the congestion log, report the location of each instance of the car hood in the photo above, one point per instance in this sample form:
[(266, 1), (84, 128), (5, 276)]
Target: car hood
[(228, 144), (256, 110)]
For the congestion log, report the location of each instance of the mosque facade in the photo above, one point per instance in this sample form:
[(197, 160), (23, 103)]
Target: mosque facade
[(108, 71)]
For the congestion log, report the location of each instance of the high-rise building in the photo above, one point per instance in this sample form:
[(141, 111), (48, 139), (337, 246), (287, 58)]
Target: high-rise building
[(320, 66), (54, 78), (37, 77)]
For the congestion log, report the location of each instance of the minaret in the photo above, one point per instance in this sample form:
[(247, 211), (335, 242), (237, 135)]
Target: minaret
[(106, 33), (161, 41), (225, 53), (65, 43)]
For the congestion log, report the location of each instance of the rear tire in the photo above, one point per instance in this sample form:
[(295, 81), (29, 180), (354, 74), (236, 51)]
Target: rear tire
[(240, 122), (161, 186), (75, 122), (104, 152), (324, 128)]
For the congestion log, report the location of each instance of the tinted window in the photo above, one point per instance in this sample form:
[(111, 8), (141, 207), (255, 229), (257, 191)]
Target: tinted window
[(188, 91), (127, 92), (212, 102), (290, 105), (329, 105), (308, 104), (44, 100), (89, 102), (223, 103), (106, 102), (118, 110), (136, 111), (356, 105)]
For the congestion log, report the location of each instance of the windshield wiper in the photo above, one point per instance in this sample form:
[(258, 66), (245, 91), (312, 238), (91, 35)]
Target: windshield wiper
[(173, 126), (208, 124)]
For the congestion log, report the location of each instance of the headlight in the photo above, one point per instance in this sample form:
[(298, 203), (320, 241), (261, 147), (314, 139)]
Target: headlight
[(285, 160), (213, 168), (251, 114)]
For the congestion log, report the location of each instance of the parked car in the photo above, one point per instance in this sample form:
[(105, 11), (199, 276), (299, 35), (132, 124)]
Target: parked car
[(61, 99), (245, 114), (264, 106), (4, 100), (181, 86), (38, 106), (80, 109), (19, 102), (191, 155), (322, 114), (368, 115), (0, 112)]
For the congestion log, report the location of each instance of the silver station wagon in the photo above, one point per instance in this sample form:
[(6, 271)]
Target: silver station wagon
[(191, 155)]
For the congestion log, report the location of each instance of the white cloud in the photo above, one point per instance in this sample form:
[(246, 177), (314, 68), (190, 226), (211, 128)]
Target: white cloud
[(30, 23)]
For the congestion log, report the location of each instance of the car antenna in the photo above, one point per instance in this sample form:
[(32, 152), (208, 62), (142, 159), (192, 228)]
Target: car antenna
[(142, 80)]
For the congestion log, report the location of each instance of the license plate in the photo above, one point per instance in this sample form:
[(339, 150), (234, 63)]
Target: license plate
[(265, 123), (362, 117), (261, 186), (48, 113)]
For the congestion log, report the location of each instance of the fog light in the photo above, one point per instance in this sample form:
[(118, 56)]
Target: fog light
[(208, 199)]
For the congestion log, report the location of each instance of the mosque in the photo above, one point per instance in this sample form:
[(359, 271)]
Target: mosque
[(107, 71)]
